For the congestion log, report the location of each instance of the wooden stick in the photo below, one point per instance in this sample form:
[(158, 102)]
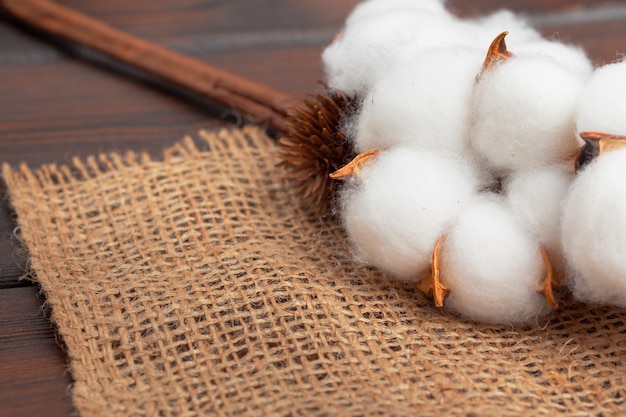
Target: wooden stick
[(254, 101)]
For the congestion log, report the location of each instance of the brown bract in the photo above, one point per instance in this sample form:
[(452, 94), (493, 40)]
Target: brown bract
[(354, 167), (432, 284), (314, 146), (496, 53), (551, 281), (596, 144)]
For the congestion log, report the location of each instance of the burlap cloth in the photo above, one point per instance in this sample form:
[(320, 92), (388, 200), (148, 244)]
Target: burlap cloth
[(196, 284)]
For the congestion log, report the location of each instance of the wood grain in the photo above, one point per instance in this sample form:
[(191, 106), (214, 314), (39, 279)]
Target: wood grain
[(55, 105), (34, 378)]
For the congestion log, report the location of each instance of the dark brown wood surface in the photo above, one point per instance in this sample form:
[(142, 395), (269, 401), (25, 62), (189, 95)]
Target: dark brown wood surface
[(56, 103)]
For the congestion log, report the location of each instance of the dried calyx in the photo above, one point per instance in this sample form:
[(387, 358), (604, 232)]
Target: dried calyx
[(432, 284), (315, 145)]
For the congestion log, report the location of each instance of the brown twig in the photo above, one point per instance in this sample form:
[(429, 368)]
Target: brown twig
[(254, 101)]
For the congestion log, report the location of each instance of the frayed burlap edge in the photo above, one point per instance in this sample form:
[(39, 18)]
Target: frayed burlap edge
[(197, 285)]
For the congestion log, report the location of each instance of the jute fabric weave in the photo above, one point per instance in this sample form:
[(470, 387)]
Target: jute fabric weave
[(196, 285)]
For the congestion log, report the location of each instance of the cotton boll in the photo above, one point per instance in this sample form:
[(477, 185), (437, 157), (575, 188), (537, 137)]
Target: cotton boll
[(536, 198), (424, 102), (602, 102), (492, 266), (367, 50), (523, 113), (594, 231), (404, 200), (372, 9)]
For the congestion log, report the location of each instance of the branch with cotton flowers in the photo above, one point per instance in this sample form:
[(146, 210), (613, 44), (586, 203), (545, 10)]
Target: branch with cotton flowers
[(468, 187)]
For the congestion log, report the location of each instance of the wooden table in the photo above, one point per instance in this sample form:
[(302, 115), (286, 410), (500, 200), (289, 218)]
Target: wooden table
[(55, 105)]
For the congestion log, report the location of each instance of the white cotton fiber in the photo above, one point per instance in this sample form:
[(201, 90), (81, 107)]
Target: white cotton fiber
[(520, 31), (424, 102), (570, 57), (594, 231), (536, 199), (523, 113), (492, 266), (602, 105), (402, 202), (372, 9), (368, 49)]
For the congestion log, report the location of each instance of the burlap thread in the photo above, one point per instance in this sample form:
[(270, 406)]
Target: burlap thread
[(196, 284)]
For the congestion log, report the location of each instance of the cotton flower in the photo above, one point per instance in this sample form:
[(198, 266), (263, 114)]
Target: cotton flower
[(368, 48), (425, 102), (523, 113), (594, 217), (467, 183), (492, 267), (594, 231), (602, 104), (401, 203), (535, 198)]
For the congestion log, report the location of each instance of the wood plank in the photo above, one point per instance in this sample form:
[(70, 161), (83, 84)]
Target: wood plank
[(190, 24), (13, 259), (164, 19), (33, 374), (84, 105), (86, 109)]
